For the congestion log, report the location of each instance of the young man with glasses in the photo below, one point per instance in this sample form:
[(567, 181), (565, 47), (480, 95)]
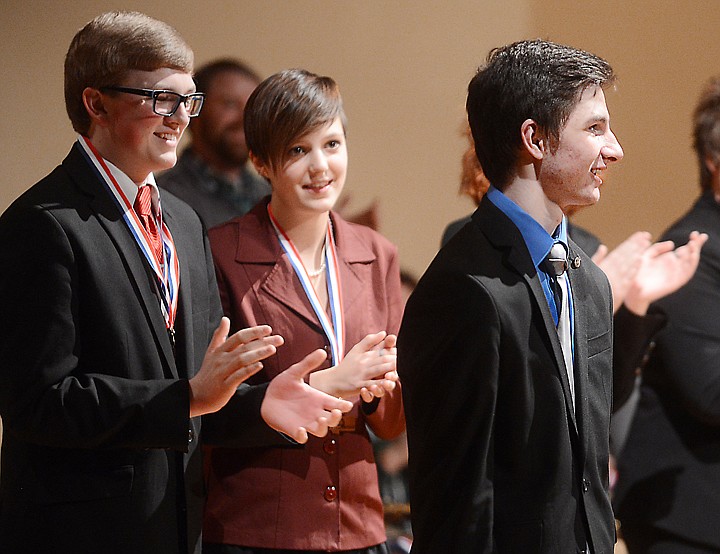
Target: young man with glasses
[(109, 304)]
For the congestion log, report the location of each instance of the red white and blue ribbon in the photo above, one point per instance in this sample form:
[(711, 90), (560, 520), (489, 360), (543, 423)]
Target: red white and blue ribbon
[(168, 274), (335, 329)]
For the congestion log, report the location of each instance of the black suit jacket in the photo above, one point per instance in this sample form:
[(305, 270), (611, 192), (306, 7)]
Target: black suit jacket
[(669, 470), (99, 453), (499, 460)]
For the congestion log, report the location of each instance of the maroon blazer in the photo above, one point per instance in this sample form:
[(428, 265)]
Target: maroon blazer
[(323, 495)]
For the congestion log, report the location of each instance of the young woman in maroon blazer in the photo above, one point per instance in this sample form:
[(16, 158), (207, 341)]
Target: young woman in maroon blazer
[(320, 282)]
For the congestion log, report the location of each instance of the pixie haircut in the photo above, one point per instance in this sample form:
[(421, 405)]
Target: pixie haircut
[(285, 107), (103, 52), (533, 79), (706, 130)]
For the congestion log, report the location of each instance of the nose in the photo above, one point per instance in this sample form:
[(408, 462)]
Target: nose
[(612, 151), (180, 116), (318, 161)]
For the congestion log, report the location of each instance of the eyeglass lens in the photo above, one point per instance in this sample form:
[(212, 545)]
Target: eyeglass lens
[(166, 103)]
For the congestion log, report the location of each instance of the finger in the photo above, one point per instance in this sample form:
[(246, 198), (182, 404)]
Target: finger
[(390, 341), (376, 390), (366, 395), (243, 373), (319, 428), (370, 341), (335, 416), (339, 406), (300, 436), (698, 239), (220, 334), (307, 364), (660, 248), (600, 254), (392, 376), (388, 386), (249, 356), (244, 336)]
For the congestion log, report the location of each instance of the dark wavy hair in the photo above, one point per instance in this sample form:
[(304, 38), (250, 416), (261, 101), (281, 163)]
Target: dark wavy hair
[(532, 79)]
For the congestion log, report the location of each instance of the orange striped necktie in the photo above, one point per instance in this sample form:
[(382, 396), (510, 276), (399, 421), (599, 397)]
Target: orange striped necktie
[(143, 207)]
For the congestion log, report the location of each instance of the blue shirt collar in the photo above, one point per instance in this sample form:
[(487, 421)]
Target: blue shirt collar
[(536, 238)]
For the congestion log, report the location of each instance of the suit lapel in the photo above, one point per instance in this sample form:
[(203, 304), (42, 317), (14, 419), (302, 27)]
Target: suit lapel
[(282, 283), (503, 233), (109, 216), (579, 285)]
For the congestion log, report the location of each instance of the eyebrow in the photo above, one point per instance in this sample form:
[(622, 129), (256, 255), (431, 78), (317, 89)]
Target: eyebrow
[(597, 118)]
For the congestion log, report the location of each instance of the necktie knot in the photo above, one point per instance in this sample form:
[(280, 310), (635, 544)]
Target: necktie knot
[(143, 208), (555, 263), (143, 201)]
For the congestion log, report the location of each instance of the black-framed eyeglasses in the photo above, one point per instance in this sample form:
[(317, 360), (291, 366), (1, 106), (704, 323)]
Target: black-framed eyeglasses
[(166, 102)]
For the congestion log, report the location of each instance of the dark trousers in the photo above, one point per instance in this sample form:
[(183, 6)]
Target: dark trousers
[(645, 539), (209, 548)]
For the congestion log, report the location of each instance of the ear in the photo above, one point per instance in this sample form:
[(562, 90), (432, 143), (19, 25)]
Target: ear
[(533, 140), (260, 167), (711, 165), (95, 105)]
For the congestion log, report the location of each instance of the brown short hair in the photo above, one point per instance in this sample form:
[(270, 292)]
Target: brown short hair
[(531, 79), (706, 130), (286, 106), (104, 50)]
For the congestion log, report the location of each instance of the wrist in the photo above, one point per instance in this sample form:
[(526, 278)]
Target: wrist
[(636, 303)]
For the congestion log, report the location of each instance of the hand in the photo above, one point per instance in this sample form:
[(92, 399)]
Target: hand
[(622, 263), (227, 363), (663, 271), (369, 366), (390, 379), (293, 407)]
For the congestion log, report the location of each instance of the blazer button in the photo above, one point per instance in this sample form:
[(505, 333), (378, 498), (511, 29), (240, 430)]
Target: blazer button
[(330, 446), (191, 436), (330, 493), (586, 485)]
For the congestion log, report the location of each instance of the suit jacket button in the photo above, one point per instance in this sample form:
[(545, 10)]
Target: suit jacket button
[(330, 446), (586, 485), (330, 493), (191, 436)]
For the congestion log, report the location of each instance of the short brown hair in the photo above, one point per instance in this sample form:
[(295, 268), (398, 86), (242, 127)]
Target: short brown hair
[(531, 79), (286, 106), (112, 44), (706, 130)]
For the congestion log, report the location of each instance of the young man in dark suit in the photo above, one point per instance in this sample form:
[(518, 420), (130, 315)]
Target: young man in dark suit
[(506, 366), (109, 303)]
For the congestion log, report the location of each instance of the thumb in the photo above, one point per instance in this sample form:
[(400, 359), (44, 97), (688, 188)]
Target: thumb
[(370, 341), (307, 364)]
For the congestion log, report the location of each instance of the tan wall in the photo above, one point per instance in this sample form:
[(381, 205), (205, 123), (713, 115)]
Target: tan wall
[(403, 67)]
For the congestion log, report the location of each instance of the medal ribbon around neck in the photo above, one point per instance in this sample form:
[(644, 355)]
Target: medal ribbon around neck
[(168, 275), (335, 330)]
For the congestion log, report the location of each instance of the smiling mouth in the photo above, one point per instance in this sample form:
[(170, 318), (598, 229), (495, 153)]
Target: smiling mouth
[(317, 186), (167, 136)]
